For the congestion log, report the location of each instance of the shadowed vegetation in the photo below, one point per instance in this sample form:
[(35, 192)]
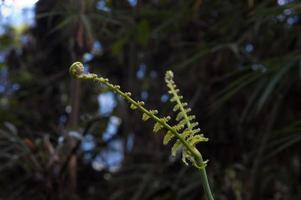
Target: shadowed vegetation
[(238, 62)]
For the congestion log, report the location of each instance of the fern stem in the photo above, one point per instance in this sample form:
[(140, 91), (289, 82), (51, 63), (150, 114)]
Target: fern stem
[(205, 183)]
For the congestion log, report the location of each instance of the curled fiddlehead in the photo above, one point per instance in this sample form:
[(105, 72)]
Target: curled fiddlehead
[(185, 132)]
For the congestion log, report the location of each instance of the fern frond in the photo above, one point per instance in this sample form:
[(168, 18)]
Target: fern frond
[(184, 132), (190, 133)]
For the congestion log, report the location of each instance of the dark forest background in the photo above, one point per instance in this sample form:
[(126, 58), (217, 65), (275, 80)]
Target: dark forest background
[(237, 63)]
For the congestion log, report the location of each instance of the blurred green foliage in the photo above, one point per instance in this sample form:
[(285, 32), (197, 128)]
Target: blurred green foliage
[(238, 62)]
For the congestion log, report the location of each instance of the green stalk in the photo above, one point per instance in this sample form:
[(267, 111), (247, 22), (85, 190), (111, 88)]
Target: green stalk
[(205, 183)]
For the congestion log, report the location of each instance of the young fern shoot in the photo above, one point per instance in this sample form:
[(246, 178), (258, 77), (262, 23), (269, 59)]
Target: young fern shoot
[(185, 132), (186, 125)]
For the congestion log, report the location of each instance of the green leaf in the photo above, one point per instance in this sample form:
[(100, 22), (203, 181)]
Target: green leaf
[(176, 147), (133, 107), (154, 112), (194, 124), (191, 117), (180, 116), (166, 119), (186, 133), (182, 122), (184, 157), (141, 103), (178, 127), (157, 127), (145, 117), (272, 84), (168, 136), (176, 108), (197, 139), (194, 131), (235, 87), (173, 99)]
